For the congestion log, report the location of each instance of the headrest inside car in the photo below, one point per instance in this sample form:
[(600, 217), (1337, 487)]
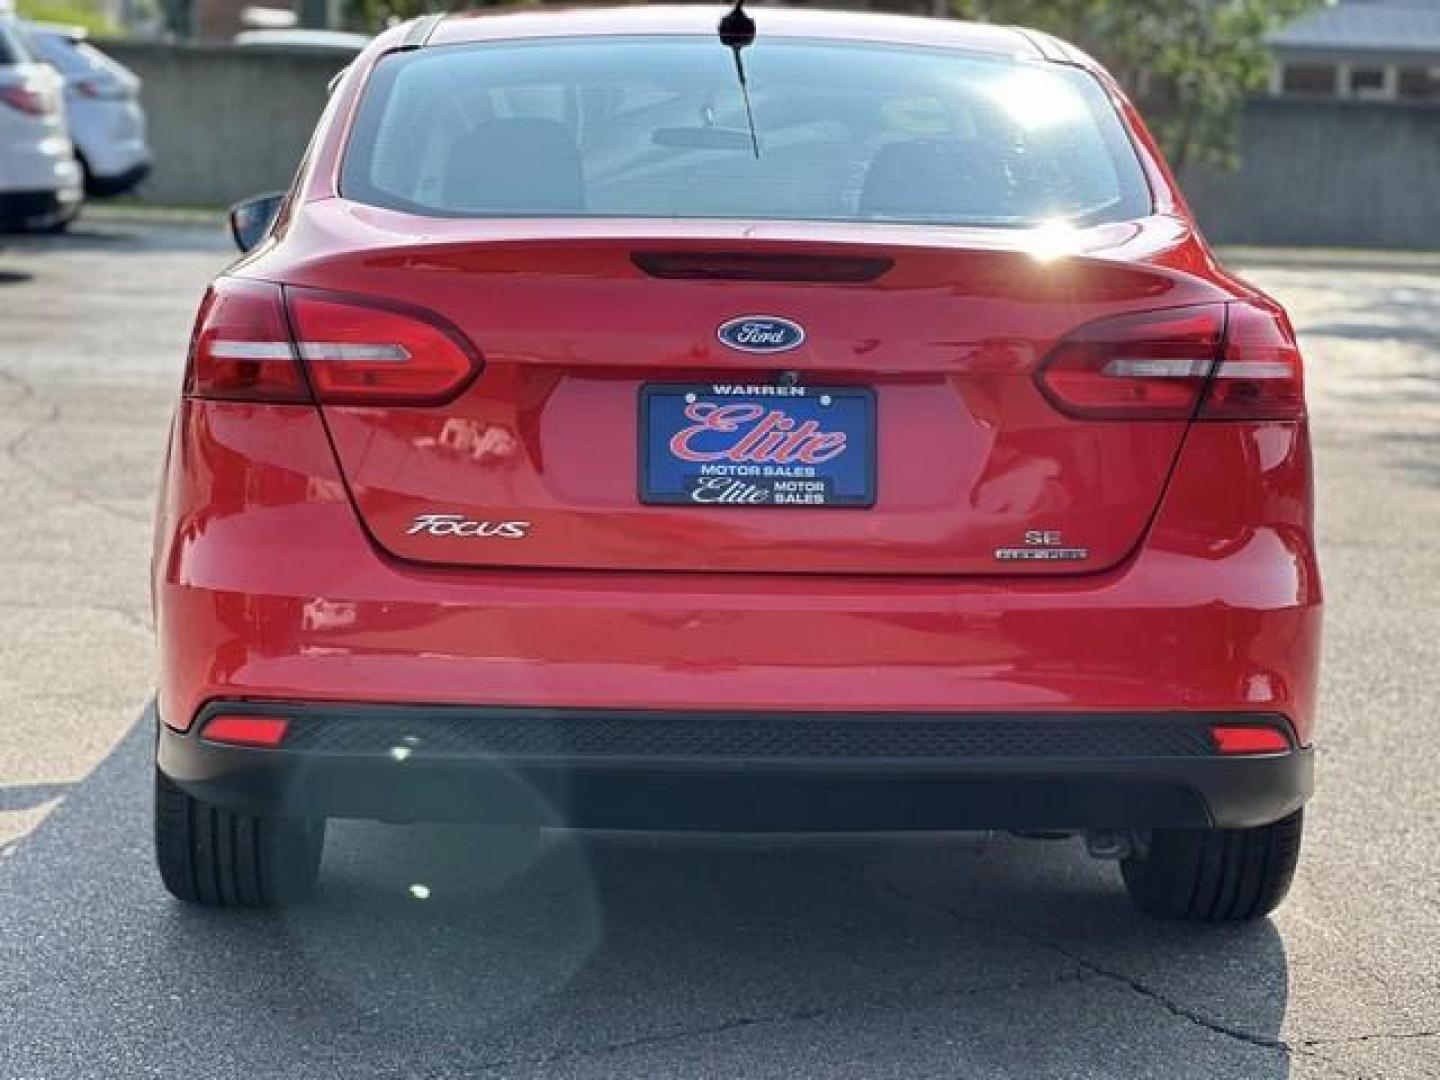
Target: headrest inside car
[(516, 166)]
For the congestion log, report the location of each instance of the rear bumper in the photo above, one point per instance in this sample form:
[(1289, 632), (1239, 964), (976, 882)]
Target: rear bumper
[(108, 185), (38, 209), (742, 771), (268, 589)]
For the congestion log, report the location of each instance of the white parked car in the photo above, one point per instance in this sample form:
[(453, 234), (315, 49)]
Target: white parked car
[(102, 103), (40, 180)]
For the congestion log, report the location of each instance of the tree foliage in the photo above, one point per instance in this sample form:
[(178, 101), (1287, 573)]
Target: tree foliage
[(69, 12), (1188, 64), (371, 16)]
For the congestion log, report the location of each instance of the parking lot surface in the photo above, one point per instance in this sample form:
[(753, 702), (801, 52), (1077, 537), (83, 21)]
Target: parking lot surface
[(451, 952)]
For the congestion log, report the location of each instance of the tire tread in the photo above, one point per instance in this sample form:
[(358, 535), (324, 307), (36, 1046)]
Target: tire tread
[(217, 858), (1216, 875)]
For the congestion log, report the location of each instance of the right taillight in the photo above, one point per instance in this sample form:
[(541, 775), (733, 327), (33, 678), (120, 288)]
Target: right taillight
[(1259, 376), (102, 89), (1147, 366), (255, 341), (1235, 361)]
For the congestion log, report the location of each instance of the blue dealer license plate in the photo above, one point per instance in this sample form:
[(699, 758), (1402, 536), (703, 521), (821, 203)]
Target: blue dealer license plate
[(752, 445)]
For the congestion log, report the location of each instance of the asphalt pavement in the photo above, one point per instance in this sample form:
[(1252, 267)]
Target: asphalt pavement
[(458, 952)]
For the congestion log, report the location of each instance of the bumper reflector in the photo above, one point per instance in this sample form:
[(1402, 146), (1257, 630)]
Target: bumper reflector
[(1236, 739), (247, 730)]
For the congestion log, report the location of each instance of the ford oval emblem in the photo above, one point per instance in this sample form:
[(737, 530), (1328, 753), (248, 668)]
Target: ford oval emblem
[(761, 334)]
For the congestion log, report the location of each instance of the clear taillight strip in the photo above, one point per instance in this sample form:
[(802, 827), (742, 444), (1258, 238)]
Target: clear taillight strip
[(1134, 367), (1254, 369), (1137, 368), (372, 354), (250, 350), (310, 350)]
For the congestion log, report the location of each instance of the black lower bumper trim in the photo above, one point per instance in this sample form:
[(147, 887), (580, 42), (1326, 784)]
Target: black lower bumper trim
[(107, 187), (747, 772), (35, 209)]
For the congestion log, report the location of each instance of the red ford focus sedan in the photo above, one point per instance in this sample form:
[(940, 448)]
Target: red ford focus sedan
[(832, 424)]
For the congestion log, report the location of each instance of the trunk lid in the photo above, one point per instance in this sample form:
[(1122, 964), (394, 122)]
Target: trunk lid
[(539, 458)]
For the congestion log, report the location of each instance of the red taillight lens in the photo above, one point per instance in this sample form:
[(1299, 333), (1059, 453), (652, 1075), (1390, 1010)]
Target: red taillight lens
[(241, 348), (1149, 366), (244, 729), (1245, 739), (355, 351), (1260, 375), (1240, 357), (359, 351), (102, 89), (28, 100)]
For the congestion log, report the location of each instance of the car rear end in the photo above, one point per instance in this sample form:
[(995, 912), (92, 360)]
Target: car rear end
[(40, 182), (572, 453), (102, 103)]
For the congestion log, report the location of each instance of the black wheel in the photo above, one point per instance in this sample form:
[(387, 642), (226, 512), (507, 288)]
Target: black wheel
[(214, 857), (87, 175), (1215, 875)]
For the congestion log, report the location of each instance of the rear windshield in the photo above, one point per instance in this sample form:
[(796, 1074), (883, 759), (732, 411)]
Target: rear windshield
[(70, 55), (12, 46), (657, 127)]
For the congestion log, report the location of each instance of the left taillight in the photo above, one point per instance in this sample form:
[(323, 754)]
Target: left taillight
[(247, 729), (30, 100), (241, 348), (365, 351), (255, 341)]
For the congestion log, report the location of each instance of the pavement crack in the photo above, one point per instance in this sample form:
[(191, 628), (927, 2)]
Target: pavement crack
[(1183, 1012), (129, 616), (795, 1016), (1374, 1036), (12, 451), (27, 392), (657, 1039), (1120, 978)]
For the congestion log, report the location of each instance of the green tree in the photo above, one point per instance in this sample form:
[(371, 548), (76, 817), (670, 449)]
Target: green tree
[(372, 16), (70, 12), (1188, 64)]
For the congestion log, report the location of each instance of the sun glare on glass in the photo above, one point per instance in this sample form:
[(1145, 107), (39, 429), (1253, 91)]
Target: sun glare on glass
[(1036, 100)]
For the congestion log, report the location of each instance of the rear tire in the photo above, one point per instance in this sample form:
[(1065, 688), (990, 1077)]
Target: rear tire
[(1215, 875), (217, 858)]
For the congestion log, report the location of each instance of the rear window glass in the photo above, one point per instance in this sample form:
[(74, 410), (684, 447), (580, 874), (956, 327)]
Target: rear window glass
[(656, 127), (12, 48), (70, 55)]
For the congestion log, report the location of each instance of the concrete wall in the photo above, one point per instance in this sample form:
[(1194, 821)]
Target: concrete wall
[(224, 122), (1328, 173)]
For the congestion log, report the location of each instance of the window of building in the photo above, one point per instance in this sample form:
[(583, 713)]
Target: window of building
[(1418, 84), (1367, 82), (1308, 79)]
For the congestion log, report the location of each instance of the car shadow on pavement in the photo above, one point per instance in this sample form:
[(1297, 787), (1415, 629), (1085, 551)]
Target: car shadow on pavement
[(119, 237), (456, 951)]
